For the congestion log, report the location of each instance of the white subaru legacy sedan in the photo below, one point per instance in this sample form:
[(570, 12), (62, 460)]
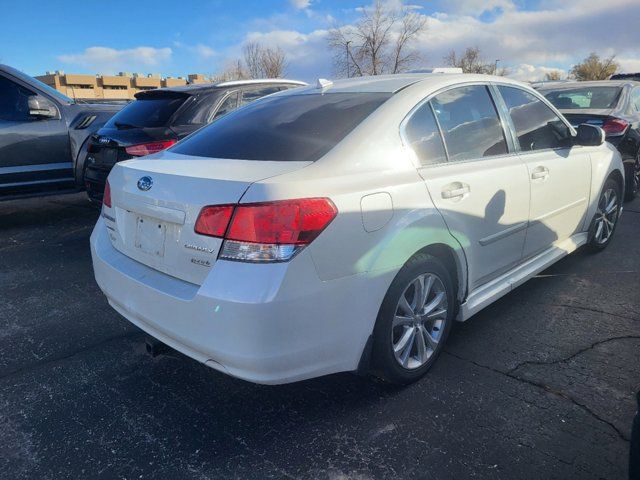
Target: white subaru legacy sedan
[(346, 226)]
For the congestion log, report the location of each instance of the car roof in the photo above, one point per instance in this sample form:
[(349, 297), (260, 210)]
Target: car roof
[(200, 87), (396, 82), (593, 83)]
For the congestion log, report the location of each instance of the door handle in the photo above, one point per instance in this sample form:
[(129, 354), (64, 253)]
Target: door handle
[(457, 190), (540, 173)]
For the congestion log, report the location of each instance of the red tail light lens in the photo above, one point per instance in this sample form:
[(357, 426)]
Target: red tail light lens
[(213, 221), (106, 198), (149, 148), (615, 126), (296, 222), (266, 232)]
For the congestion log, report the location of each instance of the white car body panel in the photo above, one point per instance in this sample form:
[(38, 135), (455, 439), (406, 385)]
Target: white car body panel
[(311, 316)]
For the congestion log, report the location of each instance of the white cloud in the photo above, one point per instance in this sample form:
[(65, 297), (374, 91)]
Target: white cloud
[(300, 4), (629, 65), (105, 59), (532, 73), (203, 51), (477, 7)]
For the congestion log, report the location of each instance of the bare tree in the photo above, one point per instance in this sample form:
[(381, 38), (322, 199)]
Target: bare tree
[(472, 61), (595, 68), (273, 62), (264, 62), (234, 70), (553, 76), (379, 42), (252, 53)]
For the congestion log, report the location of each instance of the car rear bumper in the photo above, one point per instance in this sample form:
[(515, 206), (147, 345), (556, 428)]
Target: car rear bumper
[(268, 324)]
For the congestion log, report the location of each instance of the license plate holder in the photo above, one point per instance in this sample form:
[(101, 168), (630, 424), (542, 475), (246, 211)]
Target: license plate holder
[(150, 236)]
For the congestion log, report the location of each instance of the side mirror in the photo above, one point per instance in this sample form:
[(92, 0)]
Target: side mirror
[(41, 108), (589, 135)]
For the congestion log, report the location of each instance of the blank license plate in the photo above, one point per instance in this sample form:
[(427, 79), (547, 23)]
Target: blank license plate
[(150, 236)]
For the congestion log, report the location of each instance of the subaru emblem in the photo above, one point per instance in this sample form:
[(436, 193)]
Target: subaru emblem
[(145, 183)]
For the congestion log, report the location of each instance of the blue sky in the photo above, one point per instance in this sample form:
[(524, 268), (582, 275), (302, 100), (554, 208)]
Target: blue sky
[(177, 38)]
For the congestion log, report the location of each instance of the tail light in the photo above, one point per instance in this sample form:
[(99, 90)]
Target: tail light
[(106, 198), (148, 148), (266, 232), (615, 126)]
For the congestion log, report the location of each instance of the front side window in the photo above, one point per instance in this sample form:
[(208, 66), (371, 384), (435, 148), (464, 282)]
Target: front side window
[(537, 126), (470, 123), (423, 135), (14, 101), (283, 128)]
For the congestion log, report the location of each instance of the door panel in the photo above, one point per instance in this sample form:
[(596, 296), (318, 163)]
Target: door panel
[(32, 149), (485, 205), (560, 183), (559, 173)]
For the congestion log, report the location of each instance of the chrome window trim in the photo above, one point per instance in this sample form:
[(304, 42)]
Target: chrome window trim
[(403, 125)]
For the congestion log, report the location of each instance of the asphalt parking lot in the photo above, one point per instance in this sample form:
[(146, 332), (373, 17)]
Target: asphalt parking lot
[(538, 385)]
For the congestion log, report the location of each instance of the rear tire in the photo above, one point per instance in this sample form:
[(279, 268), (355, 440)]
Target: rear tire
[(605, 220), (414, 321), (632, 182)]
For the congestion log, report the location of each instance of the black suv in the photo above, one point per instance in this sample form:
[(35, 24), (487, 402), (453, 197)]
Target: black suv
[(42, 134), (613, 105), (159, 118)]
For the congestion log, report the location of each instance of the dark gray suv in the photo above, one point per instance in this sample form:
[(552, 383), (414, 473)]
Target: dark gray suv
[(42, 134)]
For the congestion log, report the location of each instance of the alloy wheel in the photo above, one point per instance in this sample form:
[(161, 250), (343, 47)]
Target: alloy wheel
[(419, 321), (606, 216)]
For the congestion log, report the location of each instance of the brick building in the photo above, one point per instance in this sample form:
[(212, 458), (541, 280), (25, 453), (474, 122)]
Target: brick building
[(112, 87)]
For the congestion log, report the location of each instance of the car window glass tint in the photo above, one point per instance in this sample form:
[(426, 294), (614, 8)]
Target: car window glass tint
[(283, 128), (199, 110), (228, 104), (635, 99), (584, 97), (470, 123), (424, 137), (146, 112), (14, 101), (537, 126), (252, 94)]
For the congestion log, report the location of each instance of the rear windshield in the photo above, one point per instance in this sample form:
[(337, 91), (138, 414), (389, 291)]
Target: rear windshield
[(583, 97), (145, 113), (283, 128)]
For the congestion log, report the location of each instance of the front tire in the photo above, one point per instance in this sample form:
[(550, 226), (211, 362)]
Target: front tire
[(414, 321), (605, 220)]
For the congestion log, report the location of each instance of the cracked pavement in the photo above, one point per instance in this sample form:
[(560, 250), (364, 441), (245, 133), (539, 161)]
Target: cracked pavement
[(538, 385)]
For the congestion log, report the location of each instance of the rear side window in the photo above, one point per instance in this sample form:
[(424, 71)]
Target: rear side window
[(147, 112), (424, 137), (252, 94), (228, 105), (283, 128), (584, 97), (537, 126), (470, 123)]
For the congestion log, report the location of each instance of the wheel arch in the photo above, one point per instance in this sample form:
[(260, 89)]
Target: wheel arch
[(452, 262)]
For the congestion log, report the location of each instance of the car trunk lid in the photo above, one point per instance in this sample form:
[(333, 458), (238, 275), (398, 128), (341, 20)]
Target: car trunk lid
[(153, 223)]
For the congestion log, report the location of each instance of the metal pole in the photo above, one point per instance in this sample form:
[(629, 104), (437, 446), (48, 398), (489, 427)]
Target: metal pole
[(348, 62)]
